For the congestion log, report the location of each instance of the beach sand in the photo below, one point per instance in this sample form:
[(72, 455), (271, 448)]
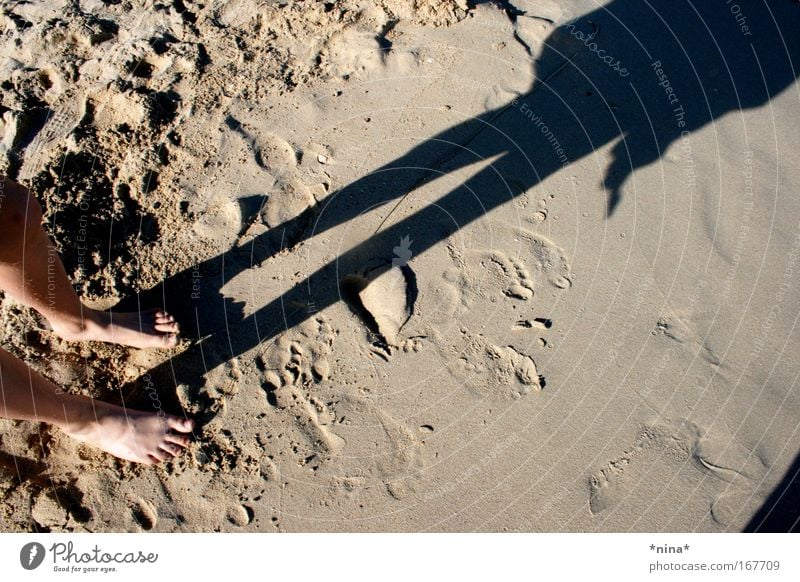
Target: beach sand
[(505, 350)]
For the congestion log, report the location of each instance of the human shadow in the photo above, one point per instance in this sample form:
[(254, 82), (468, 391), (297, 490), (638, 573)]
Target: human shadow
[(780, 513), (638, 75)]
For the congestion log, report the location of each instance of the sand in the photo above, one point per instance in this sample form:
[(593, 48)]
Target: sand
[(555, 330)]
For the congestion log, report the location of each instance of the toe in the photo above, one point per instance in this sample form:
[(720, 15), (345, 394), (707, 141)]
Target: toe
[(170, 449), (180, 440), (170, 327), (180, 424), (160, 455)]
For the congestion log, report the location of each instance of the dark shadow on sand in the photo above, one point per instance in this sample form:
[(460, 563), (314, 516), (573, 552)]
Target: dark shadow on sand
[(700, 50), (781, 511)]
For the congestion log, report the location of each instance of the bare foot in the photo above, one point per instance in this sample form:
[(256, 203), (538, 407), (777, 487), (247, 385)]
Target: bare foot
[(154, 328), (141, 437)]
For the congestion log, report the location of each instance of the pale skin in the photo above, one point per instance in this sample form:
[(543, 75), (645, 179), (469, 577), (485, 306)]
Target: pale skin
[(31, 271)]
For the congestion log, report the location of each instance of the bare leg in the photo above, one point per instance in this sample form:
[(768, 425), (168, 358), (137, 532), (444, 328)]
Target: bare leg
[(32, 272), (142, 437)]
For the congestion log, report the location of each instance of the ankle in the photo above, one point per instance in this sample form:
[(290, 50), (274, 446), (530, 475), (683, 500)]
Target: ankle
[(75, 329), (79, 414)]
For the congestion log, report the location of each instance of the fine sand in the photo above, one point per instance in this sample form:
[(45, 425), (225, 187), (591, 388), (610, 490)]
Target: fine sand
[(555, 330)]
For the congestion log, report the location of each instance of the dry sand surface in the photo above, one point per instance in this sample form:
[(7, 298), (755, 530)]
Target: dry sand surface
[(557, 329)]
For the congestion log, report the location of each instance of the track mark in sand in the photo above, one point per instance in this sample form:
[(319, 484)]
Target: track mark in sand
[(537, 323), (60, 507), (144, 514), (509, 361), (48, 513), (403, 453), (308, 435), (683, 331), (388, 454), (741, 470), (549, 258), (234, 12), (207, 402), (538, 217), (669, 447), (220, 212), (291, 368), (239, 515), (654, 446), (299, 357), (58, 126), (289, 195), (274, 154), (516, 279), (287, 200), (271, 152), (269, 470), (734, 508), (441, 300), (291, 183), (500, 276), (494, 370), (723, 457), (351, 53), (483, 275)]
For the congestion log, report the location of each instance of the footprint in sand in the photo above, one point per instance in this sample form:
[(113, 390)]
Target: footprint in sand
[(741, 470), (302, 432), (144, 513), (48, 513), (352, 53), (548, 258), (489, 276), (235, 12), (60, 507), (493, 370), (274, 154), (383, 453), (239, 515), (219, 384), (670, 448), (512, 274), (292, 368), (655, 447), (287, 199), (483, 275), (733, 509), (441, 301), (299, 357), (219, 213), (290, 182)]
